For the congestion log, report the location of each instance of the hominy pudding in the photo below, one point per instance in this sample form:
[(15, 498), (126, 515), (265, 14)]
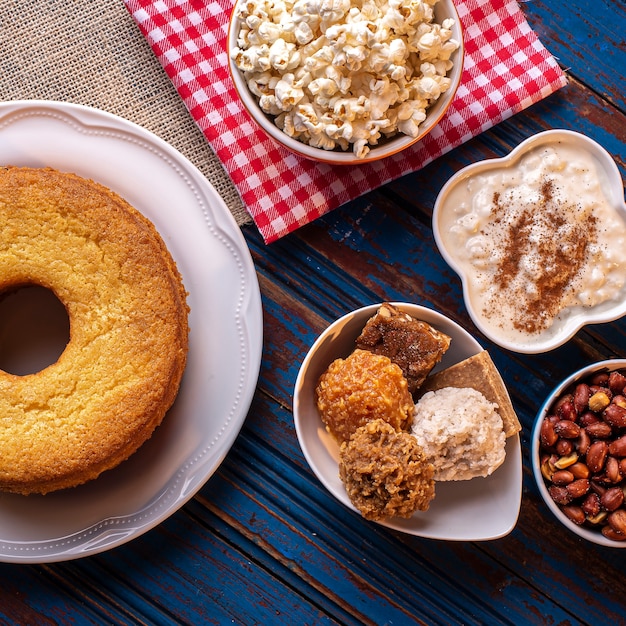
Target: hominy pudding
[(538, 242)]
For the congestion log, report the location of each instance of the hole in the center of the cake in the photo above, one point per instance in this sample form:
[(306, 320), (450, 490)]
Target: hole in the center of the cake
[(34, 329)]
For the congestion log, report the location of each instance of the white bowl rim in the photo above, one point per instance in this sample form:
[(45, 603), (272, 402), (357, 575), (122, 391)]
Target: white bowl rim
[(586, 533), (615, 193), (388, 148), (512, 461)]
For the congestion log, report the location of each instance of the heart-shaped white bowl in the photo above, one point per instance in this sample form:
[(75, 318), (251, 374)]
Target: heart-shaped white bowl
[(475, 510), (460, 200)]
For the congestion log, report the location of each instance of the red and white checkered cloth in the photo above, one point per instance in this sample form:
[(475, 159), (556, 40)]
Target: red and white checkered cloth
[(506, 70)]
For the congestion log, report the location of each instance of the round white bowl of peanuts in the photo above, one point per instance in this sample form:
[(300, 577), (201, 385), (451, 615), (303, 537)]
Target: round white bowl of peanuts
[(579, 452), (345, 81)]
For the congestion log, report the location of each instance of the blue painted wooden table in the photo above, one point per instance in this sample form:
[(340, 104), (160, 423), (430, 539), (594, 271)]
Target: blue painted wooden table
[(263, 542)]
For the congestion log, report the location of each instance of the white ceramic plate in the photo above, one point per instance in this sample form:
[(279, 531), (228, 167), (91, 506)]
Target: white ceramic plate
[(225, 336), (473, 510)]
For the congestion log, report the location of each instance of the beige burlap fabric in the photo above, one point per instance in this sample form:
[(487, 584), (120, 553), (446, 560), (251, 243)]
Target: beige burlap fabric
[(91, 52)]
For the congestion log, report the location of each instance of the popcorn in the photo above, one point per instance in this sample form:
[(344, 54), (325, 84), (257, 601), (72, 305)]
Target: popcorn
[(288, 92), (344, 74)]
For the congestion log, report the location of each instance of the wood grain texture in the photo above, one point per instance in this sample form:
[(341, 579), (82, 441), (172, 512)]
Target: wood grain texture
[(263, 542)]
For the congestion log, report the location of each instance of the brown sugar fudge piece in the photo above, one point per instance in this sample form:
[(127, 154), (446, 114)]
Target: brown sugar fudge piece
[(385, 472), (410, 343), (478, 372), (361, 388)]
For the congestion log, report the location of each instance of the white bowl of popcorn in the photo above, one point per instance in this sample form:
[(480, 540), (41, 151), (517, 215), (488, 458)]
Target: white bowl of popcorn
[(345, 82)]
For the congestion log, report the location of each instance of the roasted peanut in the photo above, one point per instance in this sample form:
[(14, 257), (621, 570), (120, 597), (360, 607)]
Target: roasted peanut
[(567, 429), (591, 505), (581, 397), (588, 418), (574, 513), (547, 469), (609, 533), (548, 436), (599, 401), (611, 470), (615, 415), (583, 442), (559, 494), (596, 456), (603, 388), (600, 518), (618, 446), (599, 379), (564, 447), (596, 487), (578, 488), (617, 382), (579, 470), (565, 461), (562, 477), (612, 499), (617, 521), (563, 400), (620, 401), (599, 430)]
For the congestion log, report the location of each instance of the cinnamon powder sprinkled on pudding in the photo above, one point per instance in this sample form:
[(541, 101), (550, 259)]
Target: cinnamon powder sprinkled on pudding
[(556, 245)]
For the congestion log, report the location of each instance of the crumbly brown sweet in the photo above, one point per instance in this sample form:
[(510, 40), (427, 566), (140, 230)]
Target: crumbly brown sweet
[(412, 344), (125, 358), (361, 388), (385, 472)]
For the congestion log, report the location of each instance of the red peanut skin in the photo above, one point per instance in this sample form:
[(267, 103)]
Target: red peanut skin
[(615, 415)]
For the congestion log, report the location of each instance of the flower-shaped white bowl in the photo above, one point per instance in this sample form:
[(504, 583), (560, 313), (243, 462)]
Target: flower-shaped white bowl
[(595, 536), (387, 147), (456, 190), (474, 510)]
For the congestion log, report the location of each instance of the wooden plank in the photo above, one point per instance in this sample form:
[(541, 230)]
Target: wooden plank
[(588, 40), (186, 572), (331, 548), (42, 595)]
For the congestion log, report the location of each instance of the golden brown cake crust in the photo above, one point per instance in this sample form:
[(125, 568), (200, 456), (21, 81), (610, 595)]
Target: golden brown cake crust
[(123, 365)]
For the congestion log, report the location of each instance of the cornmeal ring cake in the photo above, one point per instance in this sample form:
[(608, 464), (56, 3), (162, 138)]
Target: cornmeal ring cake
[(122, 367)]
